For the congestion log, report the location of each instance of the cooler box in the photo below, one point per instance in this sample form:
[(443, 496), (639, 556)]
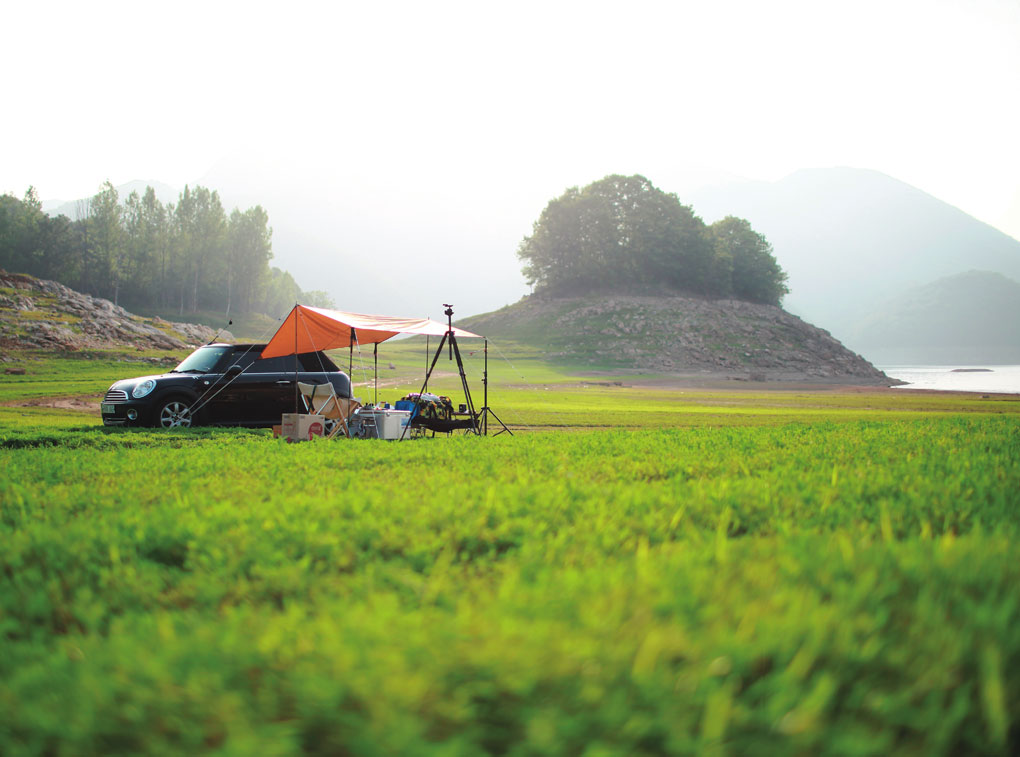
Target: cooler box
[(301, 427), (389, 424)]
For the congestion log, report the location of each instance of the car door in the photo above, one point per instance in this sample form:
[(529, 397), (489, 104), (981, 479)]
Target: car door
[(270, 387), (233, 392)]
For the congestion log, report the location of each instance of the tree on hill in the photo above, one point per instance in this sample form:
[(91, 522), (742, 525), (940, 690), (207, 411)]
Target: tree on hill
[(744, 257), (622, 234)]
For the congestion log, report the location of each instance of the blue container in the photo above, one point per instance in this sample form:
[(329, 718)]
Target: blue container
[(407, 405)]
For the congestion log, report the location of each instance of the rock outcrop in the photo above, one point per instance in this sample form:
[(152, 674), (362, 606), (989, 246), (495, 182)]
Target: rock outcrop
[(676, 335), (41, 314)]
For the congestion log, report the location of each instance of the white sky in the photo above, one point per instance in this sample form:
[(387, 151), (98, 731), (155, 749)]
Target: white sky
[(543, 95)]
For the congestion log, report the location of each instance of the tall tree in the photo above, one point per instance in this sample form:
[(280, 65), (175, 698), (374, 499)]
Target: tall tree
[(279, 292), (108, 240), (208, 244), (754, 273), (32, 242), (83, 226), (249, 250), (21, 228), (181, 248), (138, 254), (156, 231), (555, 252), (146, 242)]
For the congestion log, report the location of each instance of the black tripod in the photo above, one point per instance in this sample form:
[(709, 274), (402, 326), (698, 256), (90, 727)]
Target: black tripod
[(479, 421), (486, 410)]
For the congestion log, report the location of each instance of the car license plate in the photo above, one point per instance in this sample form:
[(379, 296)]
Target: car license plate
[(107, 408)]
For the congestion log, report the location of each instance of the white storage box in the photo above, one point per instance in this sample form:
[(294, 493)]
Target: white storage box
[(300, 427), (389, 424)]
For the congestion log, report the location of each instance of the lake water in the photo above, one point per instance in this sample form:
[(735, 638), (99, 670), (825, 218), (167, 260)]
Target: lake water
[(997, 379)]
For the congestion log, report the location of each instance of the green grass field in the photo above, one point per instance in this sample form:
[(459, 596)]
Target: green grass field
[(636, 571)]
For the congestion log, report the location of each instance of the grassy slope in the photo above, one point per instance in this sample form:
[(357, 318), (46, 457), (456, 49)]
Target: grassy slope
[(784, 572)]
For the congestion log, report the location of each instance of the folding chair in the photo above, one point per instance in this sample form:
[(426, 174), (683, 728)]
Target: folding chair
[(322, 399)]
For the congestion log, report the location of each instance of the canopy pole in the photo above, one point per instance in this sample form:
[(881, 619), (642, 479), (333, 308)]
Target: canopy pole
[(485, 389), (296, 410), (375, 360), (486, 410), (350, 357)]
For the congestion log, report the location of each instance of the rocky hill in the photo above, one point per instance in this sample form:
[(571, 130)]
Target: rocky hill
[(679, 335), (40, 314)]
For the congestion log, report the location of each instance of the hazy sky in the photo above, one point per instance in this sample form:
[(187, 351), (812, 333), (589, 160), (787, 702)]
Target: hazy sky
[(539, 96)]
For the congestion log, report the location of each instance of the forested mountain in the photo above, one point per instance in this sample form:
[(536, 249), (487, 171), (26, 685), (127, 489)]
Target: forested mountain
[(969, 318), (184, 256), (623, 235)]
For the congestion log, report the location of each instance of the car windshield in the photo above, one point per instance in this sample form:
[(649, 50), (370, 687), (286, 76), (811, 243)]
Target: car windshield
[(202, 360)]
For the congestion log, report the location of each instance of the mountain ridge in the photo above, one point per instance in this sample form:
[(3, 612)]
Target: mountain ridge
[(965, 319)]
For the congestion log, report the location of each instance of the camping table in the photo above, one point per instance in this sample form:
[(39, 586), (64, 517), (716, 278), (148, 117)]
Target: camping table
[(456, 422)]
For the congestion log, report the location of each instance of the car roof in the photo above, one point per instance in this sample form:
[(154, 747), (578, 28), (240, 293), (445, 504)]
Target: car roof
[(236, 346), (249, 347)]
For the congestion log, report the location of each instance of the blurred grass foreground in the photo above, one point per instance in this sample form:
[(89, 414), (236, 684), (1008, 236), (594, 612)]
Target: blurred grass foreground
[(675, 573)]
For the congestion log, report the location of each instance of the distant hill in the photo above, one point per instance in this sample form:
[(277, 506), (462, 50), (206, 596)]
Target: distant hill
[(970, 318), (679, 335), (852, 240), (164, 193)]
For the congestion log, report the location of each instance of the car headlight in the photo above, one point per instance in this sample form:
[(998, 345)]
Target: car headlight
[(143, 388)]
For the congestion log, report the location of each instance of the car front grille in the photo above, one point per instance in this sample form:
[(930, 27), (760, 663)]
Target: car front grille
[(116, 395)]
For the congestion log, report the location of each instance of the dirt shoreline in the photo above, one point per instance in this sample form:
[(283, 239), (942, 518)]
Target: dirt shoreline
[(727, 381), (89, 404), (86, 404), (835, 387)]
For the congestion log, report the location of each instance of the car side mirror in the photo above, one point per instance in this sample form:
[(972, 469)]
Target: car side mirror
[(234, 370)]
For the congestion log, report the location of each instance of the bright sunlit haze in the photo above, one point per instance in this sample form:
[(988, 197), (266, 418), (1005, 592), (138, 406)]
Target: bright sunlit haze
[(381, 139)]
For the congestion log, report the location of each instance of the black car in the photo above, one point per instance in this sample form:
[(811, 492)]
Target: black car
[(220, 384)]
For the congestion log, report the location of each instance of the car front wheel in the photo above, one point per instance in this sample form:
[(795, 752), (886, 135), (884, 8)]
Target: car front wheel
[(174, 413)]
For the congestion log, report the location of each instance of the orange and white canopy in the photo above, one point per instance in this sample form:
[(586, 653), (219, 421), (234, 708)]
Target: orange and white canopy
[(307, 329)]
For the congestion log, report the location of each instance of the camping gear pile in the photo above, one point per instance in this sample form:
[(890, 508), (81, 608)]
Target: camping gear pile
[(427, 405), (308, 329)]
